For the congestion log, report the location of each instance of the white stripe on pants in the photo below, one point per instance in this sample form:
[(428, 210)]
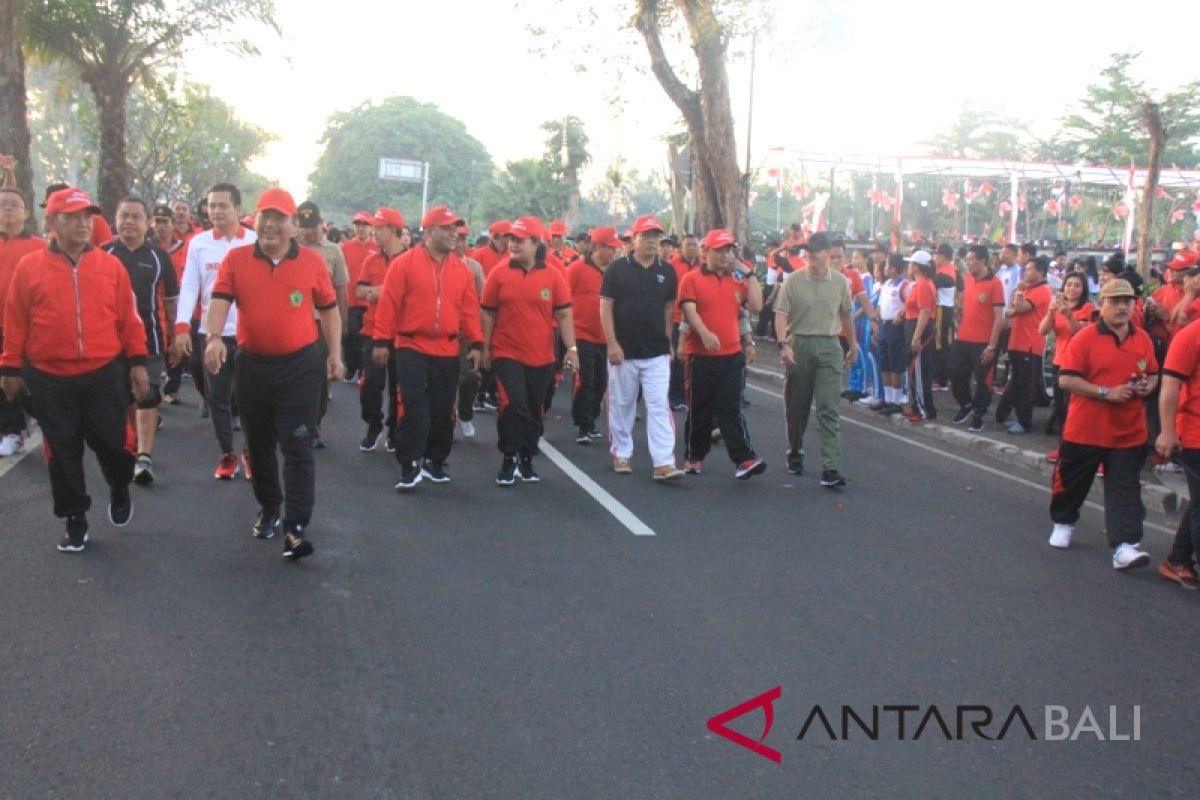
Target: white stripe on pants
[(653, 376)]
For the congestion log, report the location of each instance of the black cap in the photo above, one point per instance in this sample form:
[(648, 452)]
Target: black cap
[(309, 214), (162, 210), (52, 188)]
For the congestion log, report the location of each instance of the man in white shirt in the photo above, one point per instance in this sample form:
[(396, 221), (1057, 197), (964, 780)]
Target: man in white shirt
[(204, 255)]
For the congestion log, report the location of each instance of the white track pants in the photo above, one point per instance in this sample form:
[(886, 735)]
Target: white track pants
[(652, 376)]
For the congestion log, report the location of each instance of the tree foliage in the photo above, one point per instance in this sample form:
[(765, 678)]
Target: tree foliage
[(346, 177), (566, 156), (980, 134), (112, 44), (528, 186), (1107, 125), (180, 138)]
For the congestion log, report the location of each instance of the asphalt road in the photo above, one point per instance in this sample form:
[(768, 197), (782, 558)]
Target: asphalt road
[(467, 641)]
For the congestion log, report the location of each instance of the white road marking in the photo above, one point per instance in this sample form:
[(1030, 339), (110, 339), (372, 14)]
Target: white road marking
[(611, 504), (959, 459), (32, 443)]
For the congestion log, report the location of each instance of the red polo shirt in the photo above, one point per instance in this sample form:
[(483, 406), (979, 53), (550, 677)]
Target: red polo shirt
[(1062, 331), (1096, 356), (275, 301), (718, 300), (524, 304), (1183, 362), (355, 253), (488, 257), (584, 279), (1024, 337), (922, 295), (980, 300), (682, 267)]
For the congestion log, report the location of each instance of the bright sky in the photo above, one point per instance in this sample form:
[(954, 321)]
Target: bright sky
[(875, 78)]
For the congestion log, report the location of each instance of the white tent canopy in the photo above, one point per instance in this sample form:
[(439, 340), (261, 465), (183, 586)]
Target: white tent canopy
[(1169, 178)]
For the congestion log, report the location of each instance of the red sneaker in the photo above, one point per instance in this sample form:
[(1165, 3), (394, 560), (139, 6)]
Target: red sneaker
[(246, 463), (227, 467), (1052, 456), (1182, 574)]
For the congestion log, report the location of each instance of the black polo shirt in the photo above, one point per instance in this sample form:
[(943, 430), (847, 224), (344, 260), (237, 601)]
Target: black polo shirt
[(149, 267), (640, 296)]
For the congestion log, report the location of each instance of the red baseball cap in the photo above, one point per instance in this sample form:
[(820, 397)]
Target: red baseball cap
[(276, 199), (606, 236), (645, 224), (248, 221), (388, 216), (717, 239), (440, 216), (558, 228), (362, 217), (1183, 260), (500, 227), (527, 228), (69, 201)]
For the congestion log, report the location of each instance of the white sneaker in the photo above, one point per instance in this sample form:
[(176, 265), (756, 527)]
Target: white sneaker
[(868, 400), (1060, 537), (12, 444), (467, 428), (1129, 556)]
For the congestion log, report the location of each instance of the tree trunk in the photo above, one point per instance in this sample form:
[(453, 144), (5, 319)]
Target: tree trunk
[(15, 139), (708, 114), (1158, 139), (678, 189), (112, 95)]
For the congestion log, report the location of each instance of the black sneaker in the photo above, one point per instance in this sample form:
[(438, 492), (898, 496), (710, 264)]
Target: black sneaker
[(976, 424), (237, 423), (76, 538), (595, 434), (795, 465), (371, 440), (318, 442), (120, 507), (390, 444), (508, 472), (266, 526), (963, 415), (295, 546), (435, 471), (831, 479), (526, 470), (583, 436), (410, 476)]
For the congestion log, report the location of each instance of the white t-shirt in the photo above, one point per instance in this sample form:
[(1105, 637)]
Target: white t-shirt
[(205, 251), (891, 299)]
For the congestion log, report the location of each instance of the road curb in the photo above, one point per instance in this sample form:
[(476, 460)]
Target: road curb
[(1155, 496)]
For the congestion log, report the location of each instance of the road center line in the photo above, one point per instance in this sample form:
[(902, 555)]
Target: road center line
[(959, 459), (611, 504)]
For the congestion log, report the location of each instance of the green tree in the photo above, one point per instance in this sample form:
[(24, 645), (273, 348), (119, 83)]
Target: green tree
[(1108, 127), (566, 155), (981, 134), (346, 177), (180, 138), (528, 186), (15, 139), (112, 44)]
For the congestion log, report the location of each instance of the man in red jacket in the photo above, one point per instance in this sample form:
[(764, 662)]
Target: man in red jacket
[(73, 336), (427, 303)]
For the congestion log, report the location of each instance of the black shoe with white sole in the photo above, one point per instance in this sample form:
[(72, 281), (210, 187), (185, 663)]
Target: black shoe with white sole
[(295, 546), (435, 471), (266, 526), (120, 507), (76, 538), (526, 470), (582, 436), (508, 472), (831, 479), (795, 465), (372, 439), (963, 415), (410, 476)]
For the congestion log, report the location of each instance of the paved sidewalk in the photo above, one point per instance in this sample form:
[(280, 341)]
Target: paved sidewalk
[(1161, 491)]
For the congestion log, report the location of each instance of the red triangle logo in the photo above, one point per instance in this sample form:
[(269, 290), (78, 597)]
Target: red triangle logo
[(765, 701)]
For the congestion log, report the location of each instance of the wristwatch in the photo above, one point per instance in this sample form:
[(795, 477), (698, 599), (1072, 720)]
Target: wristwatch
[(1102, 392)]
